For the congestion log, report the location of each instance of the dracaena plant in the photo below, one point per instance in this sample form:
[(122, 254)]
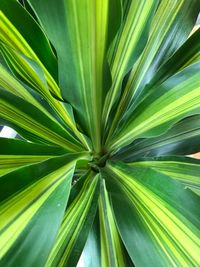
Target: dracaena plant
[(106, 97)]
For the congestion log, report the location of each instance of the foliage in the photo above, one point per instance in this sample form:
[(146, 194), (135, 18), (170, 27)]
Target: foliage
[(106, 97)]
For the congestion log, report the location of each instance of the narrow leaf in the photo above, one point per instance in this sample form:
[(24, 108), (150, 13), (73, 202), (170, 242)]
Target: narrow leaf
[(38, 192), (112, 253), (16, 153), (34, 124), (178, 97), (182, 139), (183, 169), (76, 224), (151, 216), (81, 33)]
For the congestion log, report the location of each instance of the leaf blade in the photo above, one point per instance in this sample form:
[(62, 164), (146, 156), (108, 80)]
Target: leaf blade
[(178, 97), (84, 32), (32, 199), (156, 218)]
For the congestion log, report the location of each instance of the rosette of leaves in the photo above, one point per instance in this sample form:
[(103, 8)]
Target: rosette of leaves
[(106, 96)]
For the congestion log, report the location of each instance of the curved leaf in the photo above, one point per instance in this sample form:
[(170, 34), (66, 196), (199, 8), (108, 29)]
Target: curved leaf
[(170, 27), (81, 32), (185, 170), (176, 98), (76, 224), (33, 123), (182, 139), (38, 192), (8, 82), (125, 49), (27, 38), (186, 55), (25, 63), (15, 153), (149, 208)]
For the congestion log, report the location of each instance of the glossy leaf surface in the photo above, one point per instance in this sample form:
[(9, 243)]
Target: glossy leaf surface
[(105, 96)]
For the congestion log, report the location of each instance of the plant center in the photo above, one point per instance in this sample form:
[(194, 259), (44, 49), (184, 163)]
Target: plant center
[(99, 162)]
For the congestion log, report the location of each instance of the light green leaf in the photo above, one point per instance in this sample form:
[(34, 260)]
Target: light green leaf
[(26, 61), (34, 124), (10, 83), (111, 247), (182, 139), (38, 192), (125, 50), (81, 32), (76, 224), (170, 27), (176, 98), (185, 170), (151, 217), (87, 83), (20, 38), (35, 78), (16, 153), (186, 55)]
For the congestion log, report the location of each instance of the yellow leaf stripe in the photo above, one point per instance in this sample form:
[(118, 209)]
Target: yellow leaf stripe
[(89, 37), (29, 74), (10, 162), (111, 247), (16, 212), (72, 223), (161, 24), (126, 42), (8, 82), (10, 36), (172, 233), (21, 119), (14, 46), (160, 28), (168, 107), (185, 172)]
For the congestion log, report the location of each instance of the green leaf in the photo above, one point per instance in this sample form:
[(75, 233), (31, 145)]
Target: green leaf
[(9, 82), (186, 55), (170, 27), (111, 247), (25, 63), (185, 170), (29, 197), (104, 246), (92, 253), (81, 33), (34, 124), (87, 83), (125, 49), (27, 38), (176, 98), (29, 9), (151, 217), (16, 153), (76, 224), (182, 139)]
